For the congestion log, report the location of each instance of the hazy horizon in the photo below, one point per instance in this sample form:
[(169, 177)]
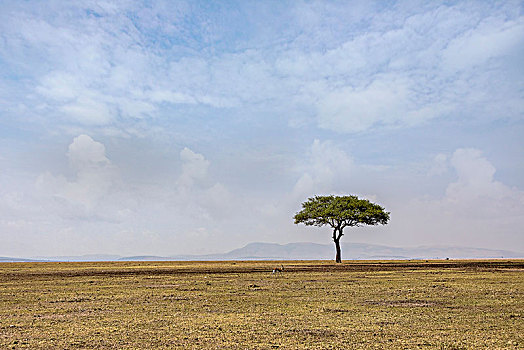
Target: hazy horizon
[(301, 251), (195, 127)]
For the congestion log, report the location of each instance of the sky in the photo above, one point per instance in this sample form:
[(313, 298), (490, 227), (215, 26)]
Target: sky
[(174, 127)]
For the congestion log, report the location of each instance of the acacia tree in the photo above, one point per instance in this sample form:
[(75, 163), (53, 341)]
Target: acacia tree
[(340, 212)]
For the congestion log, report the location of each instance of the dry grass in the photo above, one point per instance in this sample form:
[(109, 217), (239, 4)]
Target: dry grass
[(239, 305)]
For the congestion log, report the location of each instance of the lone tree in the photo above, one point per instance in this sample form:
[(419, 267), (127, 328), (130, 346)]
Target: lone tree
[(340, 212)]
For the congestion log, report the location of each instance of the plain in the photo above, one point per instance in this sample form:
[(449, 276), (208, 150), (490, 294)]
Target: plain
[(242, 305)]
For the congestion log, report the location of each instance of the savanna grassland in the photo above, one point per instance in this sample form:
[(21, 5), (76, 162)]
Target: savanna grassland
[(241, 305)]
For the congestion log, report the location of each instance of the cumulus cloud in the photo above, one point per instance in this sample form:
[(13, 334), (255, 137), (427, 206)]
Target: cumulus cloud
[(94, 176), (92, 208), (475, 175), (475, 210), (97, 192), (194, 167), (477, 188), (84, 152), (476, 191), (327, 168)]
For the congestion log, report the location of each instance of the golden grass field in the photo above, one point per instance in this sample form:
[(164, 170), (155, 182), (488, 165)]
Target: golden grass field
[(241, 305)]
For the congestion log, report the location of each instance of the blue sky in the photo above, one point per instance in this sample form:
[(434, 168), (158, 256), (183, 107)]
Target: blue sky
[(192, 127)]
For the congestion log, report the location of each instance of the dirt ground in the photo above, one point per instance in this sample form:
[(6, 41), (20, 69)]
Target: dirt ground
[(448, 304)]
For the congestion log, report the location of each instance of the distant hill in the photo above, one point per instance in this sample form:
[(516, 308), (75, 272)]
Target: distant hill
[(358, 251), (8, 259), (87, 257), (305, 251), (146, 258)]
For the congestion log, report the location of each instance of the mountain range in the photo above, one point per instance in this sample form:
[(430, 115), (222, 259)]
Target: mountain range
[(304, 251)]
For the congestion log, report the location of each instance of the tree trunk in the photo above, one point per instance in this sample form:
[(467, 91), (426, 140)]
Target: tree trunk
[(338, 258)]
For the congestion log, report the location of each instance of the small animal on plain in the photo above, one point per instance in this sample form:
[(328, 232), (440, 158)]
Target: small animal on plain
[(278, 269)]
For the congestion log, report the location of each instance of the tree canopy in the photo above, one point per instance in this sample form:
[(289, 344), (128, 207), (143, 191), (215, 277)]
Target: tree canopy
[(340, 212)]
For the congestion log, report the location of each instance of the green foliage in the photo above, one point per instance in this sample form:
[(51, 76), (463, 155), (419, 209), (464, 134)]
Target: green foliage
[(340, 211)]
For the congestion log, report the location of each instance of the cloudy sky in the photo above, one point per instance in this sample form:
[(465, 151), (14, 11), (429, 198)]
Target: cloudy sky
[(131, 127)]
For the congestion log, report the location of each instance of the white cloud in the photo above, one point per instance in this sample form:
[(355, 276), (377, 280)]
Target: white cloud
[(391, 67), (84, 152), (88, 112), (94, 178), (327, 169), (59, 86), (194, 167), (416, 71), (93, 205), (476, 189), (476, 209), (348, 109), (137, 109), (171, 97), (439, 165), (219, 201), (490, 39)]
